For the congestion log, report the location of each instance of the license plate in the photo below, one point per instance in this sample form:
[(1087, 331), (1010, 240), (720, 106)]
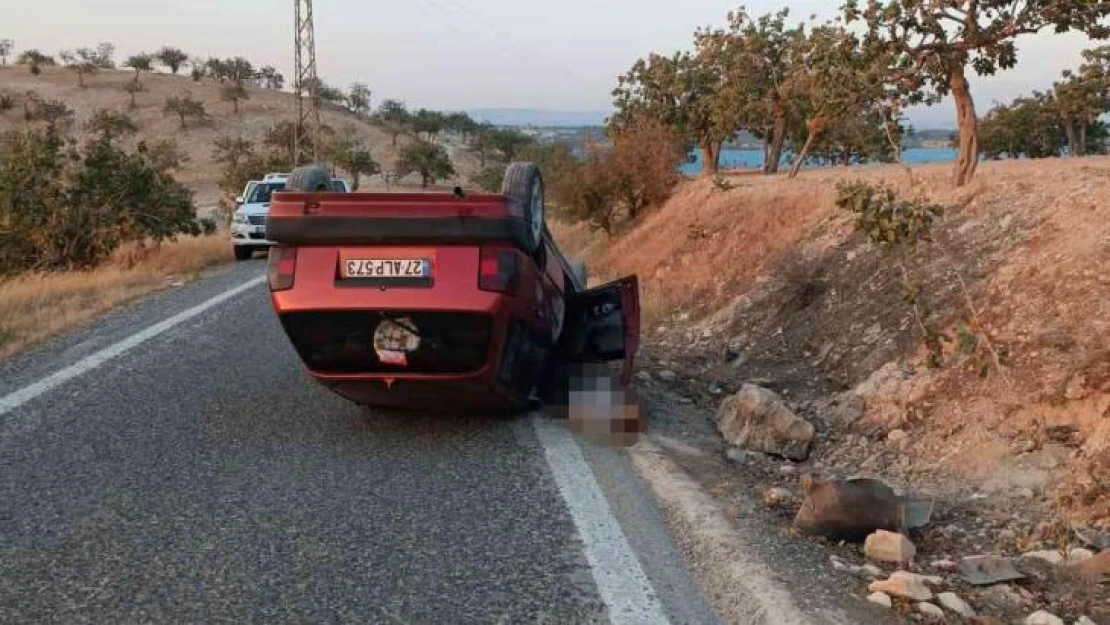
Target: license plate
[(258, 229), (382, 268)]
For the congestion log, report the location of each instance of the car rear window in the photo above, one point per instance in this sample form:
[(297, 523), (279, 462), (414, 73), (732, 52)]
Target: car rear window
[(261, 193), (337, 186)]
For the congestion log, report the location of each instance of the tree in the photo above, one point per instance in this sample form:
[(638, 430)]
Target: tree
[(460, 123), (35, 60), (270, 78), (834, 82), (55, 113), (164, 156), (645, 160), (755, 60), (216, 69), (111, 125), (173, 58), (394, 118), (238, 71), (6, 46), (481, 142), (133, 88), (427, 123), (81, 62), (932, 43), (508, 142), (1028, 127), (185, 107), (329, 94), (234, 92), (358, 99), (428, 159), (355, 159), (282, 137), (682, 91), (140, 63)]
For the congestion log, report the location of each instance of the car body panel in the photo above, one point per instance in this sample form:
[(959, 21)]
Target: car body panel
[(509, 338)]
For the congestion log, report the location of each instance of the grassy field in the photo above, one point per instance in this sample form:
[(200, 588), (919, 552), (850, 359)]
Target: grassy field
[(35, 307)]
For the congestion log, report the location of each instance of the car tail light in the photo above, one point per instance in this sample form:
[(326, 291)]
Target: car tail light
[(497, 268), (281, 266)]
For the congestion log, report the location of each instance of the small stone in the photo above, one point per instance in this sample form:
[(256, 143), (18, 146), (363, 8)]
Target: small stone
[(788, 469), (1004, 595), (777, 496), (737, 455), (903, 584), (944, 565), (1025, 493), (178, 284), (1025, 446), (880, 598), (839, 565), (953, 602), (930, 610), (1052, 556), (885, 546), (872, 570), (643, 376), (1040, 617), (1006, 534), (896, 436), (667, 375), (1083, 620)]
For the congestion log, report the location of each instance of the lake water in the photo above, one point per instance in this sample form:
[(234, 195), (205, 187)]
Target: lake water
[(753, 159)]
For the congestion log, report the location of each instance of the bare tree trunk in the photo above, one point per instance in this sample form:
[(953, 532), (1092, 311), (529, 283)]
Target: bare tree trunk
[(810, 138), (967, 154), (1082, 142), (354, 180), (778, 140), (711, 157), (1073, 140)]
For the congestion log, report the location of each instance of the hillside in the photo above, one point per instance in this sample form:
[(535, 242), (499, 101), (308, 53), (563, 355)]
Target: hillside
[(264, 109), (770, 282)]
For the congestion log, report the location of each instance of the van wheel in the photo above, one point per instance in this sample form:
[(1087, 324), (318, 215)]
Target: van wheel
[(309, 179), (524, 183), (243, 252)]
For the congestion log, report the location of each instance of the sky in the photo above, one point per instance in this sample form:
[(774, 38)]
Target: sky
[(462, 54)]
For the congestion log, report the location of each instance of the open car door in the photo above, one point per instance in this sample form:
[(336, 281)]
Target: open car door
[(609, 318)]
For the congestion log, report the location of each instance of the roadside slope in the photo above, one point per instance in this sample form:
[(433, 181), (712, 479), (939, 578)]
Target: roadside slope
[(773, 271)]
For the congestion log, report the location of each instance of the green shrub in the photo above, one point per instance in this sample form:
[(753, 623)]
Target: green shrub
[(64, 207)]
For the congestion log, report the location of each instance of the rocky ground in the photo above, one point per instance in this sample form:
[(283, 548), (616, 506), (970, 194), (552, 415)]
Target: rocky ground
[(918, 576)]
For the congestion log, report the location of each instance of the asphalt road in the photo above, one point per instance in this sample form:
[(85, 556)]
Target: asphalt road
[(200, 476)]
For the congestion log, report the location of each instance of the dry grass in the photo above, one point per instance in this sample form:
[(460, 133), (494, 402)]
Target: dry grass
[(1030, 238), (36, 307), (264, 109)]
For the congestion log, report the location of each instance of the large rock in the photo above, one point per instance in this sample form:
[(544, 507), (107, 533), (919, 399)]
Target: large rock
[(853, 509), (756, 419), (884, 546)]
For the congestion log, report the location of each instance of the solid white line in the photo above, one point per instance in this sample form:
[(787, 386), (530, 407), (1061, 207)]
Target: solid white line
[(621, 581), (16, 399)]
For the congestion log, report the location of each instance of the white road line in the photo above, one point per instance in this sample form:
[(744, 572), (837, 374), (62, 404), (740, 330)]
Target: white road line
[(17, 398), (624, 587)]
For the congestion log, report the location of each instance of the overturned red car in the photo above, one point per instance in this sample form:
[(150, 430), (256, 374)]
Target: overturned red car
[(439, 301)]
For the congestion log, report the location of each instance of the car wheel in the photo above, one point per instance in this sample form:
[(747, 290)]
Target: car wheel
[(309, 179), (243, 252), (524, 183)]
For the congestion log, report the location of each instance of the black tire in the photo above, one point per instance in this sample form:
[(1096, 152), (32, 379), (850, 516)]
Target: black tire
[(243, 252), (524, 183), (309, 179)]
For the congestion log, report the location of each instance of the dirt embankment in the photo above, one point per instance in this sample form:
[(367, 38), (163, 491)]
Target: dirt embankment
[(769, 283), (262, 110)]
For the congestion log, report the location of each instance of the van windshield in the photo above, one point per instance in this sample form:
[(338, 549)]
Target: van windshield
[(261, 193)]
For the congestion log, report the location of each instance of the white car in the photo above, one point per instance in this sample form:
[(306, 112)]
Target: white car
[(248, 224)]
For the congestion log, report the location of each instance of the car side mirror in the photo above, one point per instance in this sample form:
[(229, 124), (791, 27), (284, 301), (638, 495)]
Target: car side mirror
[(239, 200)]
